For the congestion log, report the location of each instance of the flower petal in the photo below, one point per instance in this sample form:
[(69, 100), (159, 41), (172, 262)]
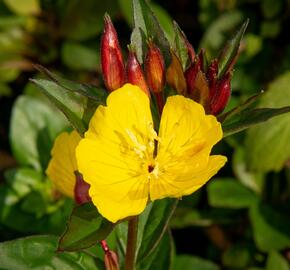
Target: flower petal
[(113, 156), (63, 162), (186, 137)]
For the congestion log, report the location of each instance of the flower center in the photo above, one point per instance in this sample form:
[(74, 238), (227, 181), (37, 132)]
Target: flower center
[(150, 168)]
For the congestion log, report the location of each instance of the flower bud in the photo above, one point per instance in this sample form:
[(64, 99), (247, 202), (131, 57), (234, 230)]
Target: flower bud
[(191, 52), (111, 260), (190, 76), (174, 75), (154, 68), (81, 190), (212, 73), (134, 72), (221, 95), (111, 57)]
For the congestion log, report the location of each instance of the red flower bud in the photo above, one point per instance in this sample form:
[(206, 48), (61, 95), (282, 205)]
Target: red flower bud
[(154, 68), (212, 73), (134, 72), (81, 190), (174, 75), (190, 76), (191, 52), (220, 97), (111, 57), (111, 260)]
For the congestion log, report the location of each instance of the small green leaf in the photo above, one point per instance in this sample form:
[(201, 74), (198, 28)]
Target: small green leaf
[(267, 145), (252, 180), (34, 126), (72, 105), (246, 104), (231, 50), (161, 258), (184, 262), (180, 45), (277, 262), (152, 224), (85, 228), (271, 227), (165, 21), (229, 193), (39, 252), (145, 20), (155, 225), (97, 94), (22, 180), (250, 118), (79, 57)]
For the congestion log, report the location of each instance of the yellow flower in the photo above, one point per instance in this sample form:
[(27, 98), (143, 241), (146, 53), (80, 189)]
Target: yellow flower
[(63, 163), (127, 164)]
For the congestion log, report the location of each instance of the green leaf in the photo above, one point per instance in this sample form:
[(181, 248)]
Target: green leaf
[(271, 227), (39, 252), (154, 225), (214, 37), (23, 180), (98, 95), (250, 118), (267, 145), (27, 7), (246, 104), (184, 262), (229, 193), (187, 217), (79, 57), (34, 125), (180, 45), (165, 21), (85, 228), (146, 23), (14, 215), (231, 50), (252, 180), (277, 262), (71, 104), (161, 258)]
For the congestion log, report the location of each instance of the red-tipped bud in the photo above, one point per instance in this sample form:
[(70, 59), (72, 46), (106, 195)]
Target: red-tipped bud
[(191, 52), (174, 75), (81, 190), (154, 68), (111, 57), (190, 76), (212, 73), (111, 260), (134, 72), (220, 97)]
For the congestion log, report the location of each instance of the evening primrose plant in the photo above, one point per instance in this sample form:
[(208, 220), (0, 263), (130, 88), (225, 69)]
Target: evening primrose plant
[(145, 140)]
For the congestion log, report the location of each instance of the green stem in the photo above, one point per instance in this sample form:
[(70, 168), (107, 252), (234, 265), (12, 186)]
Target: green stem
[(131, 244)]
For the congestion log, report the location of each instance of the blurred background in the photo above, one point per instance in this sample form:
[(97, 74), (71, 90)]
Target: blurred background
[(241, 219)]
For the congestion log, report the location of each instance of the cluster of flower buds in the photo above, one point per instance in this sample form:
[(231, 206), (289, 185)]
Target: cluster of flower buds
[(198, 80)]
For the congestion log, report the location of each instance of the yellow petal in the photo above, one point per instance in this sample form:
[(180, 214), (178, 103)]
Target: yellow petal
[(186, 137), (113, 156), (63, 162)]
